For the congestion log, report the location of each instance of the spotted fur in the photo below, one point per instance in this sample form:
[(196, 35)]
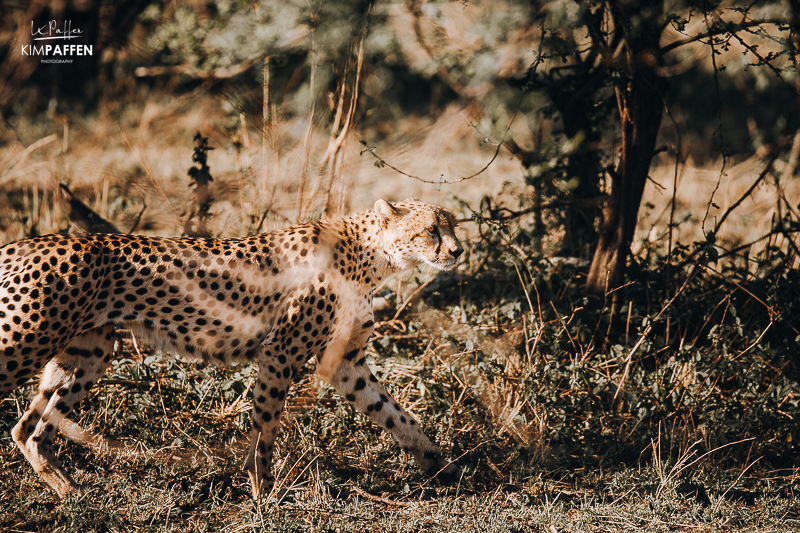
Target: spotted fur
[(276, 298)]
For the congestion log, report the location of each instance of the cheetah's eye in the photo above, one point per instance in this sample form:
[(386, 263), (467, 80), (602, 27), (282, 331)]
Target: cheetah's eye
[(433, 231)]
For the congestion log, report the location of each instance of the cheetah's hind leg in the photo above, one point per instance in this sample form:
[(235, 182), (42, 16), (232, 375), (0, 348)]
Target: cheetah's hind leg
[(66, 379)]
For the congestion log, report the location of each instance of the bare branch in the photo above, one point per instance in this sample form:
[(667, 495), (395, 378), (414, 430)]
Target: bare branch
[(747, 193), (416, 12), (496, 217), (188, 70), (383, 163), (729, 27), (764, 61)]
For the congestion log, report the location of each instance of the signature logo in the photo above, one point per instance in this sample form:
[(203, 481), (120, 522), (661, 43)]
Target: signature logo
[(52, 31)]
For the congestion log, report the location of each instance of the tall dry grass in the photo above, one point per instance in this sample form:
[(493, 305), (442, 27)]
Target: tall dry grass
[(702, 195), (117, 166)]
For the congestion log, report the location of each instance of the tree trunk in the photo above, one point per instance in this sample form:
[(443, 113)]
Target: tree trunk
[(575, 98), (640, 103)]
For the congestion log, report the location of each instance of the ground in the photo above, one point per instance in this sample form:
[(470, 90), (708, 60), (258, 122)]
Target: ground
[(194, 423)]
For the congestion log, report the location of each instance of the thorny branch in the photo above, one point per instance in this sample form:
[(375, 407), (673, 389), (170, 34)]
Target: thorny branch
[(494, 214), (747, 193), (723, 27)]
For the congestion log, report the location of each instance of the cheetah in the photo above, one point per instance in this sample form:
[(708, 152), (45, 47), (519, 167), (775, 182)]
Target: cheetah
[(276, 298)]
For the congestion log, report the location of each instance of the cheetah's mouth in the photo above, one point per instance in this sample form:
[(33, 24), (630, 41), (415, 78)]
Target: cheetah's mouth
[(443, 265)]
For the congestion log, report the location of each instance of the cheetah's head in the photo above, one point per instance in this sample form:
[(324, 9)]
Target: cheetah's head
[(415, 232)]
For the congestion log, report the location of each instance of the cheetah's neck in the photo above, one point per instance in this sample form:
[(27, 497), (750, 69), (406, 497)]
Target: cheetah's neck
[(359, 243)]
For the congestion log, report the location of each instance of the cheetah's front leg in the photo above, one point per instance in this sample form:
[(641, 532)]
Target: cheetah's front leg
[(269, 398), (354, 380)]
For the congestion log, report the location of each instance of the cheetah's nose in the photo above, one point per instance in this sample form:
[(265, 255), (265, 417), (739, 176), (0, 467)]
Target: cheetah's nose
[(457, 252)]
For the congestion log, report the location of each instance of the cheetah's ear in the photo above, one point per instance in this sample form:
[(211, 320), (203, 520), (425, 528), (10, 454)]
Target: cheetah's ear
[(384, 209), (387, 212)]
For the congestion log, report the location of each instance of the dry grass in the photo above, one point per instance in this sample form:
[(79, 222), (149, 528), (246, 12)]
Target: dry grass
[(119, 166), (698, 187)]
